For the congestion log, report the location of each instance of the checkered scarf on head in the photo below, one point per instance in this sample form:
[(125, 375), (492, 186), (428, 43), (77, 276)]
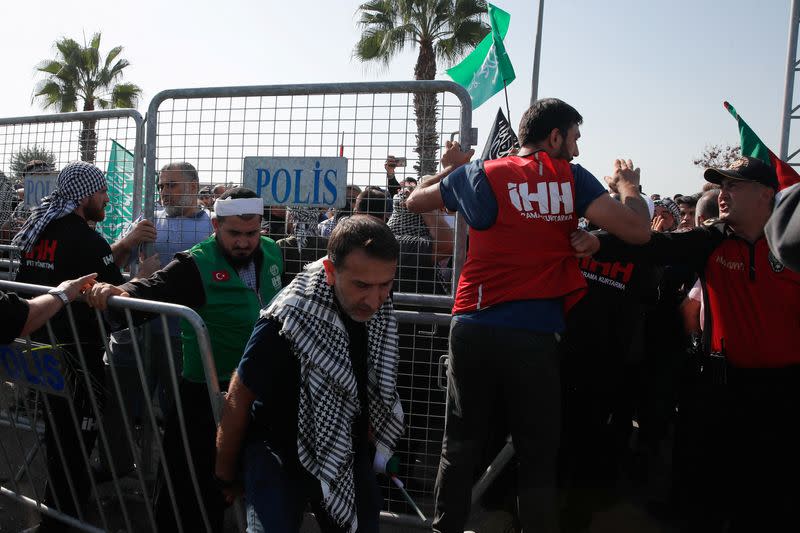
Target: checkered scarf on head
[(76, 181), (673, 209), (328, 401)]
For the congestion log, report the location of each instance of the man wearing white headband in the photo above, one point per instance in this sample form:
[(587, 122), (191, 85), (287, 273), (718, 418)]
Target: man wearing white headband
[(227, 279)]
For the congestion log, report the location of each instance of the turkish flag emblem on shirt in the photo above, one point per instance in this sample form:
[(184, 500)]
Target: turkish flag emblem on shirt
[(220, 275)]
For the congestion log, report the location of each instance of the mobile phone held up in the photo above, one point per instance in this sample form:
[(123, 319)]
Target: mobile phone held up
[(394, 162)]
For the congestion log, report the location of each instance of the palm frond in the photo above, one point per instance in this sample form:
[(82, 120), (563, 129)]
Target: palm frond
[(77, 73), (125, 95), (112, 55)]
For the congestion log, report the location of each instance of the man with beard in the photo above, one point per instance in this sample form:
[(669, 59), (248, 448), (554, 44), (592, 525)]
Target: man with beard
[(227, 279), (519, 279), (178, 226), (316, 385), (746, 461), (57, 244)]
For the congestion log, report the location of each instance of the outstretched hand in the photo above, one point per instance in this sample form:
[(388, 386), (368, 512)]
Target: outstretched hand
[(453, 156), (73, 287), (624, 175)]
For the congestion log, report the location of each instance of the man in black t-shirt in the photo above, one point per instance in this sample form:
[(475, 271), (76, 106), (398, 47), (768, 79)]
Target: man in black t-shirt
[(601, 355), (316, 385), (57, 244)]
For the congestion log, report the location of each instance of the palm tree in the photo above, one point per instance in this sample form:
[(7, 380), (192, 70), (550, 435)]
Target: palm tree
[(77, 73), (442, 29)]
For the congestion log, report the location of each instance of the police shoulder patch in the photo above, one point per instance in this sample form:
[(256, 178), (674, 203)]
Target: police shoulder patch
[(776, 265)]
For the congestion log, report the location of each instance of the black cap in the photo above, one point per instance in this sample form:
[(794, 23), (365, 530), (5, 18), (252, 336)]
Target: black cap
[(745, 168)]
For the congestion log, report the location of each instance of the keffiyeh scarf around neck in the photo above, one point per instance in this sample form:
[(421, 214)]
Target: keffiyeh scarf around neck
[(328, 401)]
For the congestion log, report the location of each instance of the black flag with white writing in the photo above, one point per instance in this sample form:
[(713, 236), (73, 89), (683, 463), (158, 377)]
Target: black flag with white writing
[(502, 139)]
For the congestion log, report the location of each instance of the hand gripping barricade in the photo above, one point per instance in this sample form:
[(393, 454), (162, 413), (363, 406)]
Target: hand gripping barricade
[(56, 423), (294, 144)]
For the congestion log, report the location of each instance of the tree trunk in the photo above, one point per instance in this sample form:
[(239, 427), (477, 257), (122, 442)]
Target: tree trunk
[(87, 138), (87, 141), (425, 112)]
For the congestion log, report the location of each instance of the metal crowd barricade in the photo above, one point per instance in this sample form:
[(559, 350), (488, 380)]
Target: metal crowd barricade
[(9, 261), (216, 128), (58, 420), (111, 139)]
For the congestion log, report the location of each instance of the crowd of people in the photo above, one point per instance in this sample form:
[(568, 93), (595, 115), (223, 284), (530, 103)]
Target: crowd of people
[(615, 336)]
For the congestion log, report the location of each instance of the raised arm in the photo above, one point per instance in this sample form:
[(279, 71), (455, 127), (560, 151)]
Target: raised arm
[(427, 196), (142, 231), (628, 219)]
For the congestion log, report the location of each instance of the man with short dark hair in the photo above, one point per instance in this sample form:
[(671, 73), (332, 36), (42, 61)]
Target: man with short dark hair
[(687, 206), (227, 279), (745, 470), (707, 206), (316, 385), (520, 277), (372, 201)]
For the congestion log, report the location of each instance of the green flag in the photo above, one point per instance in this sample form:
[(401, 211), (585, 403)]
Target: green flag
[(119, 211), (754, 147), (487, 69)]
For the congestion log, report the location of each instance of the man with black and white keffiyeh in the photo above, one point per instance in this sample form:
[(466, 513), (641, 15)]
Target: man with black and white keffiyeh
[(58, 244), (317, 388)]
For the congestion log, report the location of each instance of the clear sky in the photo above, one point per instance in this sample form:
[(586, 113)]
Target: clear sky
[(649, 77)]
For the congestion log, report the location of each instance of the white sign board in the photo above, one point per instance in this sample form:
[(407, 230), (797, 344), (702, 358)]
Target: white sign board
[(298, 181), (37, 186)]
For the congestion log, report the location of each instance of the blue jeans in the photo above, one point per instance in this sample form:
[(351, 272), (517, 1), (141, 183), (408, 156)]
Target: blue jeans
[(278, 491)]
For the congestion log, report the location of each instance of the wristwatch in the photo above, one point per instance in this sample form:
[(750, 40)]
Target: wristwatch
[(61, 293)]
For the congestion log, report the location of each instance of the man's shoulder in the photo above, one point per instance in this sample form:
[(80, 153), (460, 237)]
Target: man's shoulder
[(270, 245), (267, 333), (74, 231)]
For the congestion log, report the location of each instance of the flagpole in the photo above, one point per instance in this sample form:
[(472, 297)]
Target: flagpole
[(537, 52), (505, 91)]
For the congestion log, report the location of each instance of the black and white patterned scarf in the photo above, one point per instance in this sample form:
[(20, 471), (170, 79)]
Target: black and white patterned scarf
[(328, 396), (305, 221), (76, 181), (403, 222)]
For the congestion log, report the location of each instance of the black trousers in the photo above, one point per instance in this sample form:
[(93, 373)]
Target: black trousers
[(763, 437), (201, 432), (499, 372), (68, 432), (739, 450)]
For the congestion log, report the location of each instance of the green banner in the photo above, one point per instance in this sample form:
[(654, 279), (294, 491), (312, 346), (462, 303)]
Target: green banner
[(119, 176), (487, 70)]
